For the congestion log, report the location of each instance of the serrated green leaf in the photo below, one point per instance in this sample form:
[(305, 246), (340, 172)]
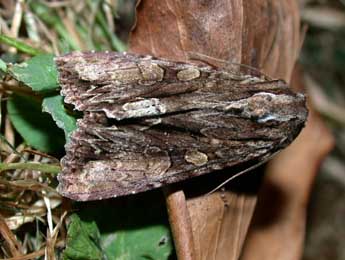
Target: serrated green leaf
[(83, 241), (21, 46), (3, 66), (39, 73), (54, 106), (36, 127)]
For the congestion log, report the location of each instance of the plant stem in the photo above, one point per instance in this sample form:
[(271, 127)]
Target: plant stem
[(43, 167)]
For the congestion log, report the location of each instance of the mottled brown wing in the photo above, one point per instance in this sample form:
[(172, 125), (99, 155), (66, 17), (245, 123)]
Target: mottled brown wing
[(125, 85), (149, 122)]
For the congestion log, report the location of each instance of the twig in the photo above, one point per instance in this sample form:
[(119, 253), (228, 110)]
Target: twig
[(43, 167), (12, 244), (36, 254), (17, 18)]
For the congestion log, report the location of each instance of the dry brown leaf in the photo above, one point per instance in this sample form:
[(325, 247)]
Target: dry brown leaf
[(263, 34)]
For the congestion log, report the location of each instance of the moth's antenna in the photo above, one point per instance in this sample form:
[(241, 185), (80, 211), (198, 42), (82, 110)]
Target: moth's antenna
[(206, 58), (240, 173)]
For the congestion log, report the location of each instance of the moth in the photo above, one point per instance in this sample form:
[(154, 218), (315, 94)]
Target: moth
[(149, 122)]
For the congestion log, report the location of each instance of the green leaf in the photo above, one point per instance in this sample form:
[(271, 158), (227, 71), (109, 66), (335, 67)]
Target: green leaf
[(3, 66), (83, 241), (39, 73), (151, 242), (21, 46), (132, 228), (37, 128), (54, 106)]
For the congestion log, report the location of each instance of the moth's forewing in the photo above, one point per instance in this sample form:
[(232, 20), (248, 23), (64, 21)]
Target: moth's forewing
[(149, 122)]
